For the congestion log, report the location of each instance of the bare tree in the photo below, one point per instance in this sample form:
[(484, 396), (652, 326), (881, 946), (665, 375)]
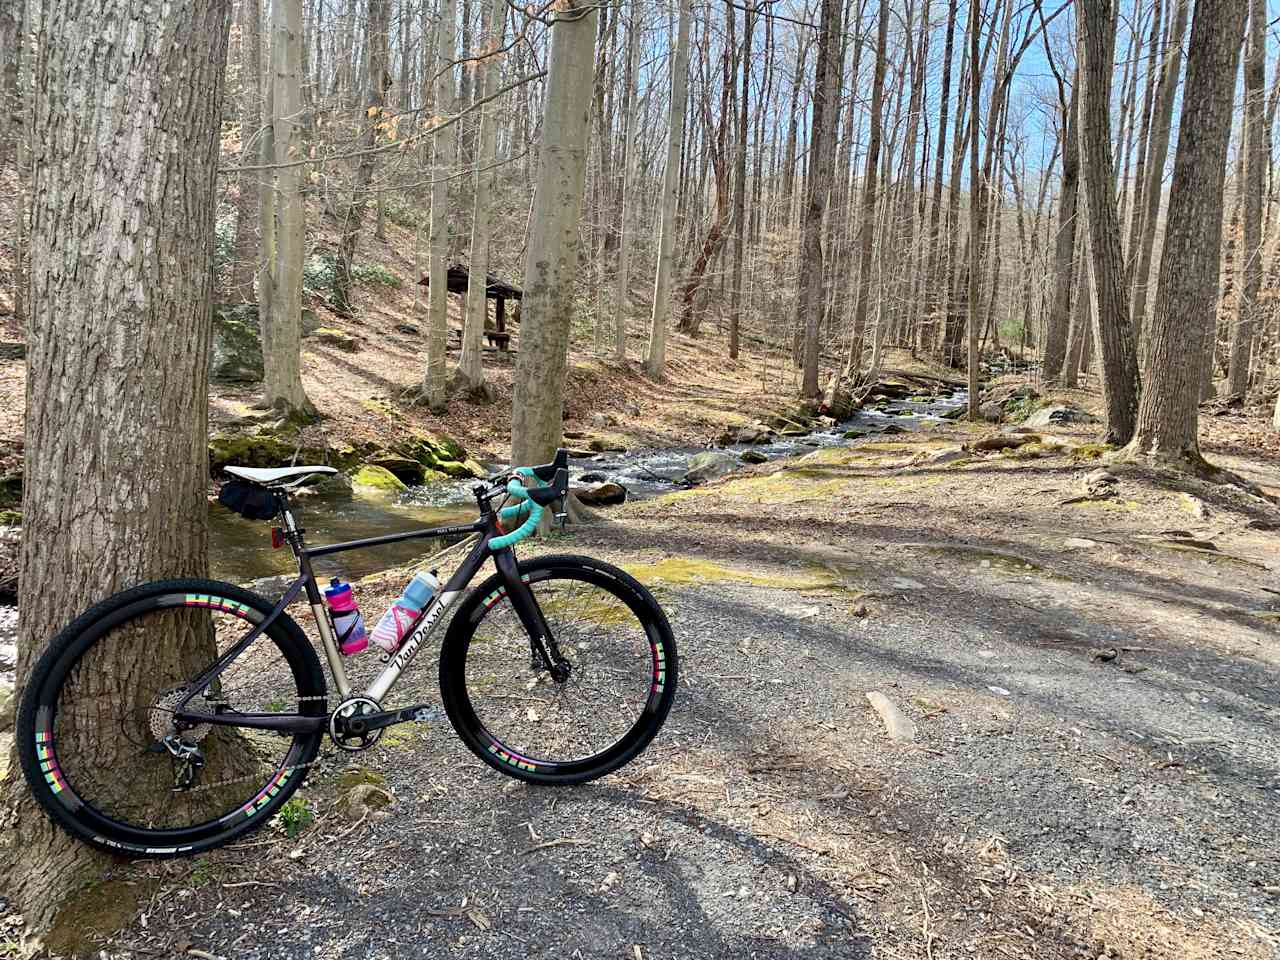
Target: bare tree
[(245, 259), (655, 357), (434, 382), (1168, 415), (537, 414), (1096, 26), (622, 299)]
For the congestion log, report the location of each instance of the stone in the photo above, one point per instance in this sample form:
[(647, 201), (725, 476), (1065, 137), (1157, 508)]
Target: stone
[(411, 329), (1195, 506), (1058, 416), (991, 412), (310, 322), (405, 470), (710, 466), (593, 476), (335, 485), (13, 350), (235, 351), (1078, 543), (893, 429), (896, 723), (751, 434), (945, 455), (336, 338), (378, 479), (856, 434), (605, 445), (606, 494), (753, 456), (1004, 441), (955, 413)]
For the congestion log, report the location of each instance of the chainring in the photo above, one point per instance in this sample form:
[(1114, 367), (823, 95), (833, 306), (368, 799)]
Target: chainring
[(340, 723)]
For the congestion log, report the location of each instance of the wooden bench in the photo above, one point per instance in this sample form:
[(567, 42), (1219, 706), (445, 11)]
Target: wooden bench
[(499, 338)]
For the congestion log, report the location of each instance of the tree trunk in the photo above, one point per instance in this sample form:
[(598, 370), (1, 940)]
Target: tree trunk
[(282, 329), (245, 258), (470, 373), (826, 109), (1158, 153), (1102, 235), (1168, 415), (537, 416), (435, 377), (117, 346), (1059, 323), (740, 188), (975, 206), (1256, 158), (655, 357), (622, 300), (13, 117), (377, 77)]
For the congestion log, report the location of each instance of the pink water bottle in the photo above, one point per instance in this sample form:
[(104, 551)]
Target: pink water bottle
[(348, 624)]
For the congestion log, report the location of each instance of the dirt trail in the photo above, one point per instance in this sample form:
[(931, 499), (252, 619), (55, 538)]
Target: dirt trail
[(1096, 770)]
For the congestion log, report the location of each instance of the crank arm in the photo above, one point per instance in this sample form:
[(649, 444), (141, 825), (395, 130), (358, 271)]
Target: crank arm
[(421, 713)]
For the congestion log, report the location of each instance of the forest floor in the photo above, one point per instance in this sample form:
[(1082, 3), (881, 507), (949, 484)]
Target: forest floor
[(1095, 773)]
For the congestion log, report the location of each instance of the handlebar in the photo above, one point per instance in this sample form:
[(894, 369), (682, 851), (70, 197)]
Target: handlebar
[(535, 488)]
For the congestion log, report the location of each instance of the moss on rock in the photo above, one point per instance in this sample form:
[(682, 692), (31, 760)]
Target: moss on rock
[(373, 477)]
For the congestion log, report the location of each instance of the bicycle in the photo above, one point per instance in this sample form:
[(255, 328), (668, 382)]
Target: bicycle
[(555, 671)]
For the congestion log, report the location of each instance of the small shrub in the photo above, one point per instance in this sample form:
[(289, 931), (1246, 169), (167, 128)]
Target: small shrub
[(294, 817), (404, 213), (374, 275), (318, 272)]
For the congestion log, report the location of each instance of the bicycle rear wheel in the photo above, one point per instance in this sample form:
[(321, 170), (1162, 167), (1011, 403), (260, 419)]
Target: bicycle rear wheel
[(622, 673), (99, 742)]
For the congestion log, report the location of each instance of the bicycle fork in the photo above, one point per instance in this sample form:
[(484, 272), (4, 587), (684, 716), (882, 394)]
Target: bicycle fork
[(544, 653)]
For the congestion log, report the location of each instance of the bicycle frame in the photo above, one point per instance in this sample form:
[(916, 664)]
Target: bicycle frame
[(428, 618)]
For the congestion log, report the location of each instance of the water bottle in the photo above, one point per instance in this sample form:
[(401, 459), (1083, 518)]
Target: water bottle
[(347, 622), (395, 623)]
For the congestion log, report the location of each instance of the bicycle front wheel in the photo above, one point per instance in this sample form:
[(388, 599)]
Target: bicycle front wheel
[(516, 717), (100, 744)]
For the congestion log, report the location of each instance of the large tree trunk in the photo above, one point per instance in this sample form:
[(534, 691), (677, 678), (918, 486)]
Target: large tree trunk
[(1157, 154), (537, 415), (435, 376), (826, 108), (1111, 324), (245, 258), (13, 31), (622, 299), (470, 373), (740, 188), (1059, 323), (1256, 150), (1168, 415), (118, 339), (377, 79), (976, 189), (282, 325), (655, 357)]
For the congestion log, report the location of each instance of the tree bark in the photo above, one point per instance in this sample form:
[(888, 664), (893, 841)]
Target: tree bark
[(655, 358), (1158, 153), (282, 327), (1059, 323), (1256, 150), (975, 206), (1168, 416), (537, 416), (445, 143), (117, 346), (740, 188), (1111, 325), (377, 80), (825, 111), (470, 373), (245, 258), (622, 299)]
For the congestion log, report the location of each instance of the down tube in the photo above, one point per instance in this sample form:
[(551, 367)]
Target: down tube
[(428, 620)]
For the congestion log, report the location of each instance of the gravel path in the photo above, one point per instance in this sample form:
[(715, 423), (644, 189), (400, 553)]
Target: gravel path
[(1096, 768)]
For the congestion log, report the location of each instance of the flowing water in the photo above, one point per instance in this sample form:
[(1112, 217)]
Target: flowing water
[(240, 550)]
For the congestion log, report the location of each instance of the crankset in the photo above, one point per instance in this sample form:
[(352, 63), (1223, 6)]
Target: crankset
[(357, 723)]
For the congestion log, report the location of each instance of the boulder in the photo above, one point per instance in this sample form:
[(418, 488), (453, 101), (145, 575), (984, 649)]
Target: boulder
[(371, 477), (335, 485), (955, 413), (1059, 416), (336, 338), (945, 455), (404, 469), (856, 434), (754, 456), (893, 429), (235, 352), (991, 412), (1004, 441), (310, 322), (593, 476), (601, 494), (710, 466), (411, 329), (749, 434)]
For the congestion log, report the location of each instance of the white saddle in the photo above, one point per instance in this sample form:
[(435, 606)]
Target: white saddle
[(273, 475)]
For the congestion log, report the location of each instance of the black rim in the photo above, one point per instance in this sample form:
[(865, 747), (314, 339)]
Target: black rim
[(67, 786)]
